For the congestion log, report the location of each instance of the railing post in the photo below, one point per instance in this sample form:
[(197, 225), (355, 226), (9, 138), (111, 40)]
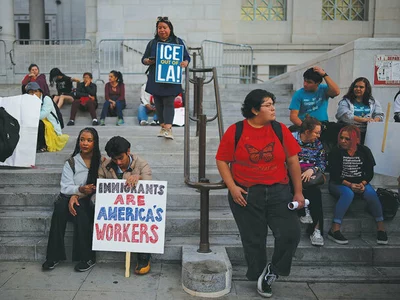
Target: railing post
[(204, 192)]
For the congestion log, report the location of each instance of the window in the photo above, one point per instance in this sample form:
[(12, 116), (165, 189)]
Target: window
[(276, 70), (263, 10), (349, 10)]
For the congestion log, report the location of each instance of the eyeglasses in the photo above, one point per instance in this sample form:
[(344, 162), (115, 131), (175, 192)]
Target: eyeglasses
[(267, 105), (344, 138), (162, 19)]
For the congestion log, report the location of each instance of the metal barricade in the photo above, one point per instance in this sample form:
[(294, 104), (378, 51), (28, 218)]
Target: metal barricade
[(123, 55), (70, 56), (234, 62), (3, 58)]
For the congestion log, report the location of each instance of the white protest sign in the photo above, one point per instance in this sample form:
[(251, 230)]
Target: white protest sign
[(26, 109), (130, 219), (169, 58), (179, 116), (387, 162)]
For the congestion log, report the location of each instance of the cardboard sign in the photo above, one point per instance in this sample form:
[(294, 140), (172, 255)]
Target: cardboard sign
[(26, 109), (387, 162), (169, 58), (130, 219)]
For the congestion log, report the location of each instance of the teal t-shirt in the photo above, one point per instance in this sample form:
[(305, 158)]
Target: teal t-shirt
[(313, 103), (361, 110)]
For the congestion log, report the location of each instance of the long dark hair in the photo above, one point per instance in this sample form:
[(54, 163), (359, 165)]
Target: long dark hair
[(367, 93), (53, 75), (168, 22), (118, 75), (95, 161)]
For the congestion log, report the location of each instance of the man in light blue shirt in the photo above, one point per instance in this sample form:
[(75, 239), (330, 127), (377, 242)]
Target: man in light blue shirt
[(313, 98)]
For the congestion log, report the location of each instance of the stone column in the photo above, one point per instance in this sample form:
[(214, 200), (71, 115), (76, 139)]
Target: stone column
[(36, 20), (7, 30)]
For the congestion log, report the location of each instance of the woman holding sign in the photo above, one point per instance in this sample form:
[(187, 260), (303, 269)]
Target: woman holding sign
[(165, 55), (78, 184)]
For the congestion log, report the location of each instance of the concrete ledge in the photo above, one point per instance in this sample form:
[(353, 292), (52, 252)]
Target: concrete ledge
[(206, 274)]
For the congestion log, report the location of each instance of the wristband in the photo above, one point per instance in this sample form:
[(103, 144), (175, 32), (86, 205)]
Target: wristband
[(326, 74)]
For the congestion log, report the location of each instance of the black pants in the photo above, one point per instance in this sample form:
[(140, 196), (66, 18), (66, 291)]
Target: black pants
[(41, 141), (313, 193), (165, 108), (267, 206), (83, 229), (90, 106)]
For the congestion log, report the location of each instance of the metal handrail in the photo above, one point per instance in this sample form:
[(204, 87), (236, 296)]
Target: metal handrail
[(202, 183)]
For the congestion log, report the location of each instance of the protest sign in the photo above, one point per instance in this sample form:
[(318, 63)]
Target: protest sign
[(130, 219), (26, 109), (169, 58)]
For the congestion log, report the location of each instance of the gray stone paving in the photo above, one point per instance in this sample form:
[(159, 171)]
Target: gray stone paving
[(25, 280)]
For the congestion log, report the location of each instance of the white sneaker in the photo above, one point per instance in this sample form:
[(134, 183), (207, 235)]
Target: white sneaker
[(168, 134), (316, 238), (307, 218), (144, 123)]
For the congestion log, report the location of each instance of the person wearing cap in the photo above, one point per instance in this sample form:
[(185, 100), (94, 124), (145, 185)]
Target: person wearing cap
[(126, 165), (50, 137)]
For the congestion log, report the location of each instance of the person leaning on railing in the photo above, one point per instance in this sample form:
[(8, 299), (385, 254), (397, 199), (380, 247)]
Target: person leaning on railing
[(164, 94)]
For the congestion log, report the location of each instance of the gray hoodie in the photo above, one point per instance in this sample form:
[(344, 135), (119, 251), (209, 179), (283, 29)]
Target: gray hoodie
[(345, 112)]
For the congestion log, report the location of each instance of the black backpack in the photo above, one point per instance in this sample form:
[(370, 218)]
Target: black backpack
[(389, 201), (276, 126), (59, 117), (9, 134)]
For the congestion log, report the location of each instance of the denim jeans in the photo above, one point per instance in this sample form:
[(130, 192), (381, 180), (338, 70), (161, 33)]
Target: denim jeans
[(267, 205), (119, 104), (346, 196), (143, 113)]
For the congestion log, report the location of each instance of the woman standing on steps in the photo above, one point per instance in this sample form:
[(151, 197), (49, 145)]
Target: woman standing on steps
[(351, 170), (164, 93), (78, 185)]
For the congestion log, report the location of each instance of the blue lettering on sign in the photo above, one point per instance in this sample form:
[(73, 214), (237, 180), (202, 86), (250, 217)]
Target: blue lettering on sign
[(169, 58)]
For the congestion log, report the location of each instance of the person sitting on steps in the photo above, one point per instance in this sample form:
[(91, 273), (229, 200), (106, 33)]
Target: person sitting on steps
[(125, 165), (63, 85), (85, 99), (114, 94), (146, 107)]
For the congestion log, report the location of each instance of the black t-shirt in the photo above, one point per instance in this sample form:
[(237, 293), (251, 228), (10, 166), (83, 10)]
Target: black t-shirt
[(64, 85), (354, 168)]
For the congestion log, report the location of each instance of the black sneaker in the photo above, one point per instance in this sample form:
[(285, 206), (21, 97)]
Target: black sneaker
[(49, 265), (337, 237), (143, 263), (382, 238), (265, 281), (71, 123), (95, 122), (84, 266)]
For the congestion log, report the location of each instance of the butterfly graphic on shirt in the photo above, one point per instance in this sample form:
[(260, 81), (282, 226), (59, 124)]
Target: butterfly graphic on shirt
[(255, 155)]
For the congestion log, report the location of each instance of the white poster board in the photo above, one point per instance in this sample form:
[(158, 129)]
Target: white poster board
[(387, 162), (26, 109), (130, 219), (179, 117)]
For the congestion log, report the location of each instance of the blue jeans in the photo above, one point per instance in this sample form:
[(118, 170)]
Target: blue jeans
[(346, 196), (143, 113), (120, 105)]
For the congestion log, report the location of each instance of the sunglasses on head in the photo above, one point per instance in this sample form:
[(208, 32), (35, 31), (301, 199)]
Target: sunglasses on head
[(162, 19)]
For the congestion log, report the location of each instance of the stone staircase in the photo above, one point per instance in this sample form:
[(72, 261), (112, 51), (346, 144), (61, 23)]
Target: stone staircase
[(27, 194)]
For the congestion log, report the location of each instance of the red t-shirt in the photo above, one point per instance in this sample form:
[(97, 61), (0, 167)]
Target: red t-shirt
[(259, 157)]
